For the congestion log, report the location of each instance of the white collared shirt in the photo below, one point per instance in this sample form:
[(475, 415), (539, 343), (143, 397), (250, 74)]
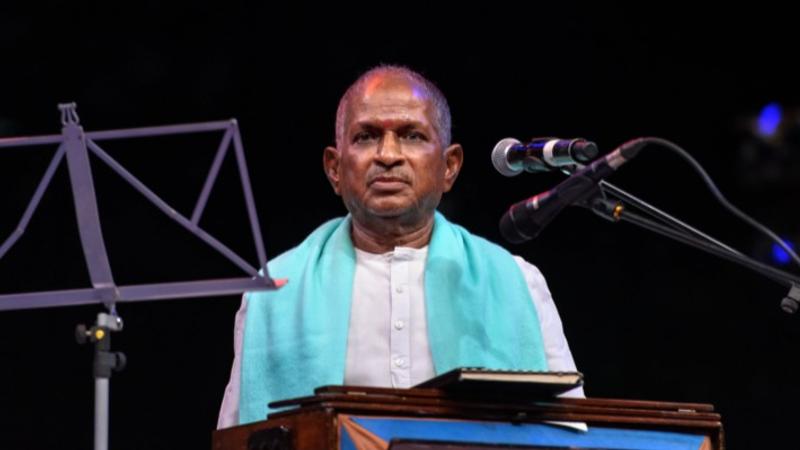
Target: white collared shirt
[(387, 342)]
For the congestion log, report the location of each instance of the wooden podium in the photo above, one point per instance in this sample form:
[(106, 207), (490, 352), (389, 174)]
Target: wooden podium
[(360, 418)]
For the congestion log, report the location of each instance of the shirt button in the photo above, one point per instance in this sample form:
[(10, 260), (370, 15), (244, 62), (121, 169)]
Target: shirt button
[(399, 324), (399, 289), (398, 362)]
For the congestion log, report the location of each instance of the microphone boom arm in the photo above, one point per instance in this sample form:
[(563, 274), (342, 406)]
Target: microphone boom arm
[(676, 223), (615, 211)]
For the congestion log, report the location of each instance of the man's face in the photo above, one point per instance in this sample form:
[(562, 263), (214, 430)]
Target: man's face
[(390, 162)]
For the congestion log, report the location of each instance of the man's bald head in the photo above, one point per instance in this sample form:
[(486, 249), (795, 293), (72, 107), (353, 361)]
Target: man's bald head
[(383, 74)]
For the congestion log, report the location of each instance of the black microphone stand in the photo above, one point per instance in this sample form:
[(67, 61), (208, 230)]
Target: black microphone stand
[(615, 211)]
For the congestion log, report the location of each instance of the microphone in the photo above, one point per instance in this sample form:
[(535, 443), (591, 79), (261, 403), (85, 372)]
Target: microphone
[(525, 220), (510, 157)]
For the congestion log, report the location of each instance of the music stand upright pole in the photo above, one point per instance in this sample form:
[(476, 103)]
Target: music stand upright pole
[(105, 362)]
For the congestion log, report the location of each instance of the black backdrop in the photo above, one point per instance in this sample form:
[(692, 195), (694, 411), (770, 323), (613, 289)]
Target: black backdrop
[(646, 318)]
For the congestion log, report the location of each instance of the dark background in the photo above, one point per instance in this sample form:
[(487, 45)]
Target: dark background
[(646, 318)]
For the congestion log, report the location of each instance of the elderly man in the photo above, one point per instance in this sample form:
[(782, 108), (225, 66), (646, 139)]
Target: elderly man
[(392, 294)]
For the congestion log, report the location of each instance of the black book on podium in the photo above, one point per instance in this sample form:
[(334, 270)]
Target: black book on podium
[(511, 384)]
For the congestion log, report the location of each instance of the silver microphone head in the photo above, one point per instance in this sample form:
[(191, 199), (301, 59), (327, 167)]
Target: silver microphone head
[(500, 158)]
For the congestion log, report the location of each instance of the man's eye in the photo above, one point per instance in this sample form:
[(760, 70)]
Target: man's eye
[(415, 136), (363, 136)]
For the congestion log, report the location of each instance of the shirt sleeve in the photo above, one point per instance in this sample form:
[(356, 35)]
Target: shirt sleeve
[(229, 411), (556, 348)]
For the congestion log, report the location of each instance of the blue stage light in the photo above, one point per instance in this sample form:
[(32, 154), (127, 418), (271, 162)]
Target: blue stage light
[(769, 119), (779, 255)]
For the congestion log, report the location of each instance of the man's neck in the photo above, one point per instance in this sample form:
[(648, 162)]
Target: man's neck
[(384, 235)]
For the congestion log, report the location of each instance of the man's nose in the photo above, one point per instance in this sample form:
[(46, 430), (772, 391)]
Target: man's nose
[(389, 151)]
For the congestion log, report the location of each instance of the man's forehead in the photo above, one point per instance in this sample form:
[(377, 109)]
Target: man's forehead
[(393, 85), (390, 96)]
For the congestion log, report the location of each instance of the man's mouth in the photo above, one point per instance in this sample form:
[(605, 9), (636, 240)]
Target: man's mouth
[(388, 179), (388, 182)]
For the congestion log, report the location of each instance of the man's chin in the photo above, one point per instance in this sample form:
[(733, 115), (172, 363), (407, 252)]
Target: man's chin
[(389, 213)]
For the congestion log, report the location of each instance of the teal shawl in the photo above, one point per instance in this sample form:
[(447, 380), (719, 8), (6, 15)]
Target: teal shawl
[(478, 306)]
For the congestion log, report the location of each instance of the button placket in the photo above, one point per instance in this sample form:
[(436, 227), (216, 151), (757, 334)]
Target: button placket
[(400, 311)]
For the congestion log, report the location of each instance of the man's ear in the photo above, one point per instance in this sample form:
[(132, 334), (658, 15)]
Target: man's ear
[(330, 162), (453, 159)]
